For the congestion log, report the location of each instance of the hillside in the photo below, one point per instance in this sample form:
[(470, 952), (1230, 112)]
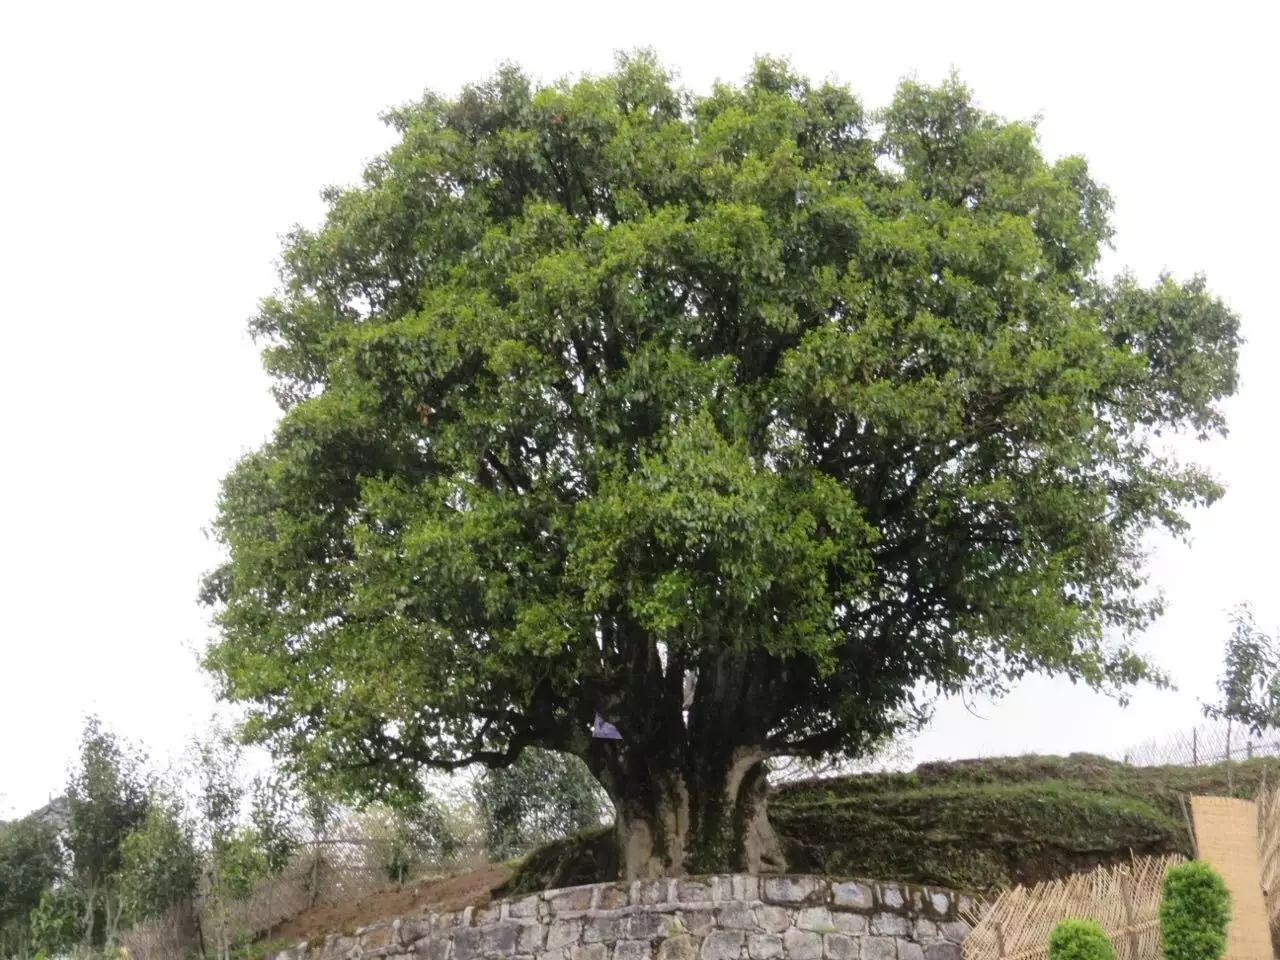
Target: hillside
[(972, 824)]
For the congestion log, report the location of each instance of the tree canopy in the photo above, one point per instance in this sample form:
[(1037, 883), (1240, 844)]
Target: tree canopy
[(1249, 687), (746, 421)]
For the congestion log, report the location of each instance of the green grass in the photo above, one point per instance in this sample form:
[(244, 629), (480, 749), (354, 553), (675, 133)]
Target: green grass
[(974, 824)]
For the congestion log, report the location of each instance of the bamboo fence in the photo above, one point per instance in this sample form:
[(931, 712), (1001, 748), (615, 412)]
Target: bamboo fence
[(1269, 854), (1226, 830), (1124, 899)]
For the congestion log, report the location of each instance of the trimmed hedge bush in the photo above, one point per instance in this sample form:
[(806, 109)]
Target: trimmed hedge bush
[(1194, 913), (1079, 940)]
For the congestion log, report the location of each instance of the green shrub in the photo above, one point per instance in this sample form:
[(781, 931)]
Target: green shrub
[(1194, 913), (1079, 940)]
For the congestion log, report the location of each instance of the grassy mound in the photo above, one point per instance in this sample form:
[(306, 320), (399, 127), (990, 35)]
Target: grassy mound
[(972, 824)]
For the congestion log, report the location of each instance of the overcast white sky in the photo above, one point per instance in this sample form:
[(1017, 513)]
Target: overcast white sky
[(151, 155)]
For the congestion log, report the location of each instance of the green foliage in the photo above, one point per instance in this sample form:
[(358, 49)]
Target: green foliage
[(1194, 913), (272, 809), (31, 860), (107, 800), (55, 922), (1250, 683), (160, 866), (541, 797), (602, 394), (241, 860), (1080, 940), (219, 793)]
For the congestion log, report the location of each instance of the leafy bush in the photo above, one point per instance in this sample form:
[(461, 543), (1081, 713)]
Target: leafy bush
[(543, 796), (1079, 940), (31, 861), (55, 922), (1194, 913), (159, 863)]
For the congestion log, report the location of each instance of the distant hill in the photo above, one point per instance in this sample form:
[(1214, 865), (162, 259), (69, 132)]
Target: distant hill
[(970, 824), (55, 812)]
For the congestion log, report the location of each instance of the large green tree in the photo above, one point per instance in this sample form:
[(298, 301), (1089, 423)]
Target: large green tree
[(31, 861), (106, 801), (747, 421)]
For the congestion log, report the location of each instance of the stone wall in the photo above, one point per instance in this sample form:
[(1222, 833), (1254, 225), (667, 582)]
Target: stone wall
[(712, 918)]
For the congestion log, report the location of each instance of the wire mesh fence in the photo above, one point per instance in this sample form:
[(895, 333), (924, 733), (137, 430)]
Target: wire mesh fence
[(1202, 745), (1124, 899), (343, 857)]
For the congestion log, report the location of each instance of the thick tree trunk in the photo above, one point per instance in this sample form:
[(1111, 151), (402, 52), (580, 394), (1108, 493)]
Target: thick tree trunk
[(708, 818)]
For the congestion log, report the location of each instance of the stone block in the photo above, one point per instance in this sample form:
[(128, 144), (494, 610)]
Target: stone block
[(721, 887), (722, 945), (924, 931), (736, 916), (853, 896), (879, 948), (604, 928), (890, 925), (837, 946), (526, 908), (563, 933), (468, 943), (570, 901), (940, 902), (649, 892), (611, 898), (794, 890), (551, 955), (942, 950), (438, 947), (802, 944), (815, 918), (692, 891), (503, 939), (891, 896), (853, 924), (773, 919), (954, 930), (908, 950), (764, 946), (484, 916), (530, 937), (411, 931), (633, 950), (682, 947), (745, 887), (593, 951), (649, 925), (696, 919)]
